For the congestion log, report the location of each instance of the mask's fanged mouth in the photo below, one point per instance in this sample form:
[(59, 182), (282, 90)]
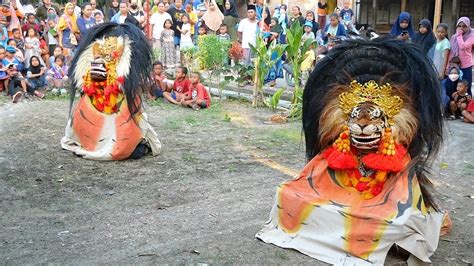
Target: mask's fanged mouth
[(366, 142), (98, 70)]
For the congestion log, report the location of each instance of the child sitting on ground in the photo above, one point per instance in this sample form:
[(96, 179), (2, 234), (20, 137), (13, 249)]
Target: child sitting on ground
[(181, 87), (468, 114), (20, 43), (36, 73), (18, 54), (159, 82), (58, 76), (3, 73), (460, 100), (199, 97), (57, 51)]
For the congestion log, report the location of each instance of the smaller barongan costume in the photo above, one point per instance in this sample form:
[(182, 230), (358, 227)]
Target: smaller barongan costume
[(108, 122), (372, 122)]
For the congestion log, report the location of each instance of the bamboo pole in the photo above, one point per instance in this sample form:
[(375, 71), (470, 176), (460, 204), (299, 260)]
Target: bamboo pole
[(403, 5), (437, 13)]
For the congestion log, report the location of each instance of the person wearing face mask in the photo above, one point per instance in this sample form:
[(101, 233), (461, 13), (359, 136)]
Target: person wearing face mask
[(448, 86), (462, 43), (42, 11), (137, 13)]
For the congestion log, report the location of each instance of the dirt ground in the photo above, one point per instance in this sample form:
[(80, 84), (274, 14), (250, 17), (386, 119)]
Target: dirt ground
[(200, 201)]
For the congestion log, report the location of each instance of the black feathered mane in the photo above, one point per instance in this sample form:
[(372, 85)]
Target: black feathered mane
[(382, 60), (140, 60)]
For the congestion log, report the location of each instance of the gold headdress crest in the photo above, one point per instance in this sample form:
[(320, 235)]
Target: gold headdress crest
[(370, 92), (110, 49)]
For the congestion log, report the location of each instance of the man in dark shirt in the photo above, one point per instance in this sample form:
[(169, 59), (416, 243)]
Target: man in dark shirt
[(175, 12)]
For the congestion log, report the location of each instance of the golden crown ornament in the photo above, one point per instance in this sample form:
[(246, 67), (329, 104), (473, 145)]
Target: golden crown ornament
[(370, 92)]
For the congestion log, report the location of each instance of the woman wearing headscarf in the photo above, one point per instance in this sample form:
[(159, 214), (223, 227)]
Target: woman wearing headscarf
[(231, 18), (113, 9), (277, 70), (310, 17), (213, 17), (449, 85), (425, 37), (461, 46), (402, 29), (68, 32)]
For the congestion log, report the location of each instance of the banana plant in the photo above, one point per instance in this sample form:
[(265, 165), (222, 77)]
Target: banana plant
[(265, 58), (212, 54), (296, 54)]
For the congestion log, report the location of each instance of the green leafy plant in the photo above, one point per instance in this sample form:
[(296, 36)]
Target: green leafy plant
[(188, 58), (243, 72), (156, 54), (212, 55), (265, 58), (296, 53), (273, 100)]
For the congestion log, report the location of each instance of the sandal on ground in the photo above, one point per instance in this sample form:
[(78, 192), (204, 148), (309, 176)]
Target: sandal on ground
[(26, 95), (39, 94), (16, 97)]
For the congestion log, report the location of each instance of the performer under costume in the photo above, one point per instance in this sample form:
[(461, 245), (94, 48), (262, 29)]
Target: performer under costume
[(372, 123), (108, 122)]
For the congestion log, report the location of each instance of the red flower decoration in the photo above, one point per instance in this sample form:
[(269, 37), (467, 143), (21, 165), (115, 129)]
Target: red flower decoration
[(121, 79)]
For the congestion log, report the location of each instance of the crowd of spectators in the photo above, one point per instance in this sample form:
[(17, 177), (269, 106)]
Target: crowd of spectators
[(37, 44)]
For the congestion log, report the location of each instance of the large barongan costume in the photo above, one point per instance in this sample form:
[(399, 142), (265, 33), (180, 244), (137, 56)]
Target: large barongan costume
[(108, 122), (372, 122)]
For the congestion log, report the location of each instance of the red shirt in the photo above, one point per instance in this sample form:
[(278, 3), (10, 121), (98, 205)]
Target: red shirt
[(27, 25), (182, 86), (470, 106), (201, 93)]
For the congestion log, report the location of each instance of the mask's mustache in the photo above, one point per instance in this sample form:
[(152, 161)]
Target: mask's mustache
[(98, 71)]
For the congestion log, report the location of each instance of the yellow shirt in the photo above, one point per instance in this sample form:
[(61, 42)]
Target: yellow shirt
[(308, 61), (192, 20), (64, 23)]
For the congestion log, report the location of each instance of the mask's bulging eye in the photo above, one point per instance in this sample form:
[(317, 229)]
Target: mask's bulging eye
[(355, 112), (375, 113)]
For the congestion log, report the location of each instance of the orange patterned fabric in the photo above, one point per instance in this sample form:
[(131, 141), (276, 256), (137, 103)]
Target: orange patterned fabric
[(319, 215), (96, 135)]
